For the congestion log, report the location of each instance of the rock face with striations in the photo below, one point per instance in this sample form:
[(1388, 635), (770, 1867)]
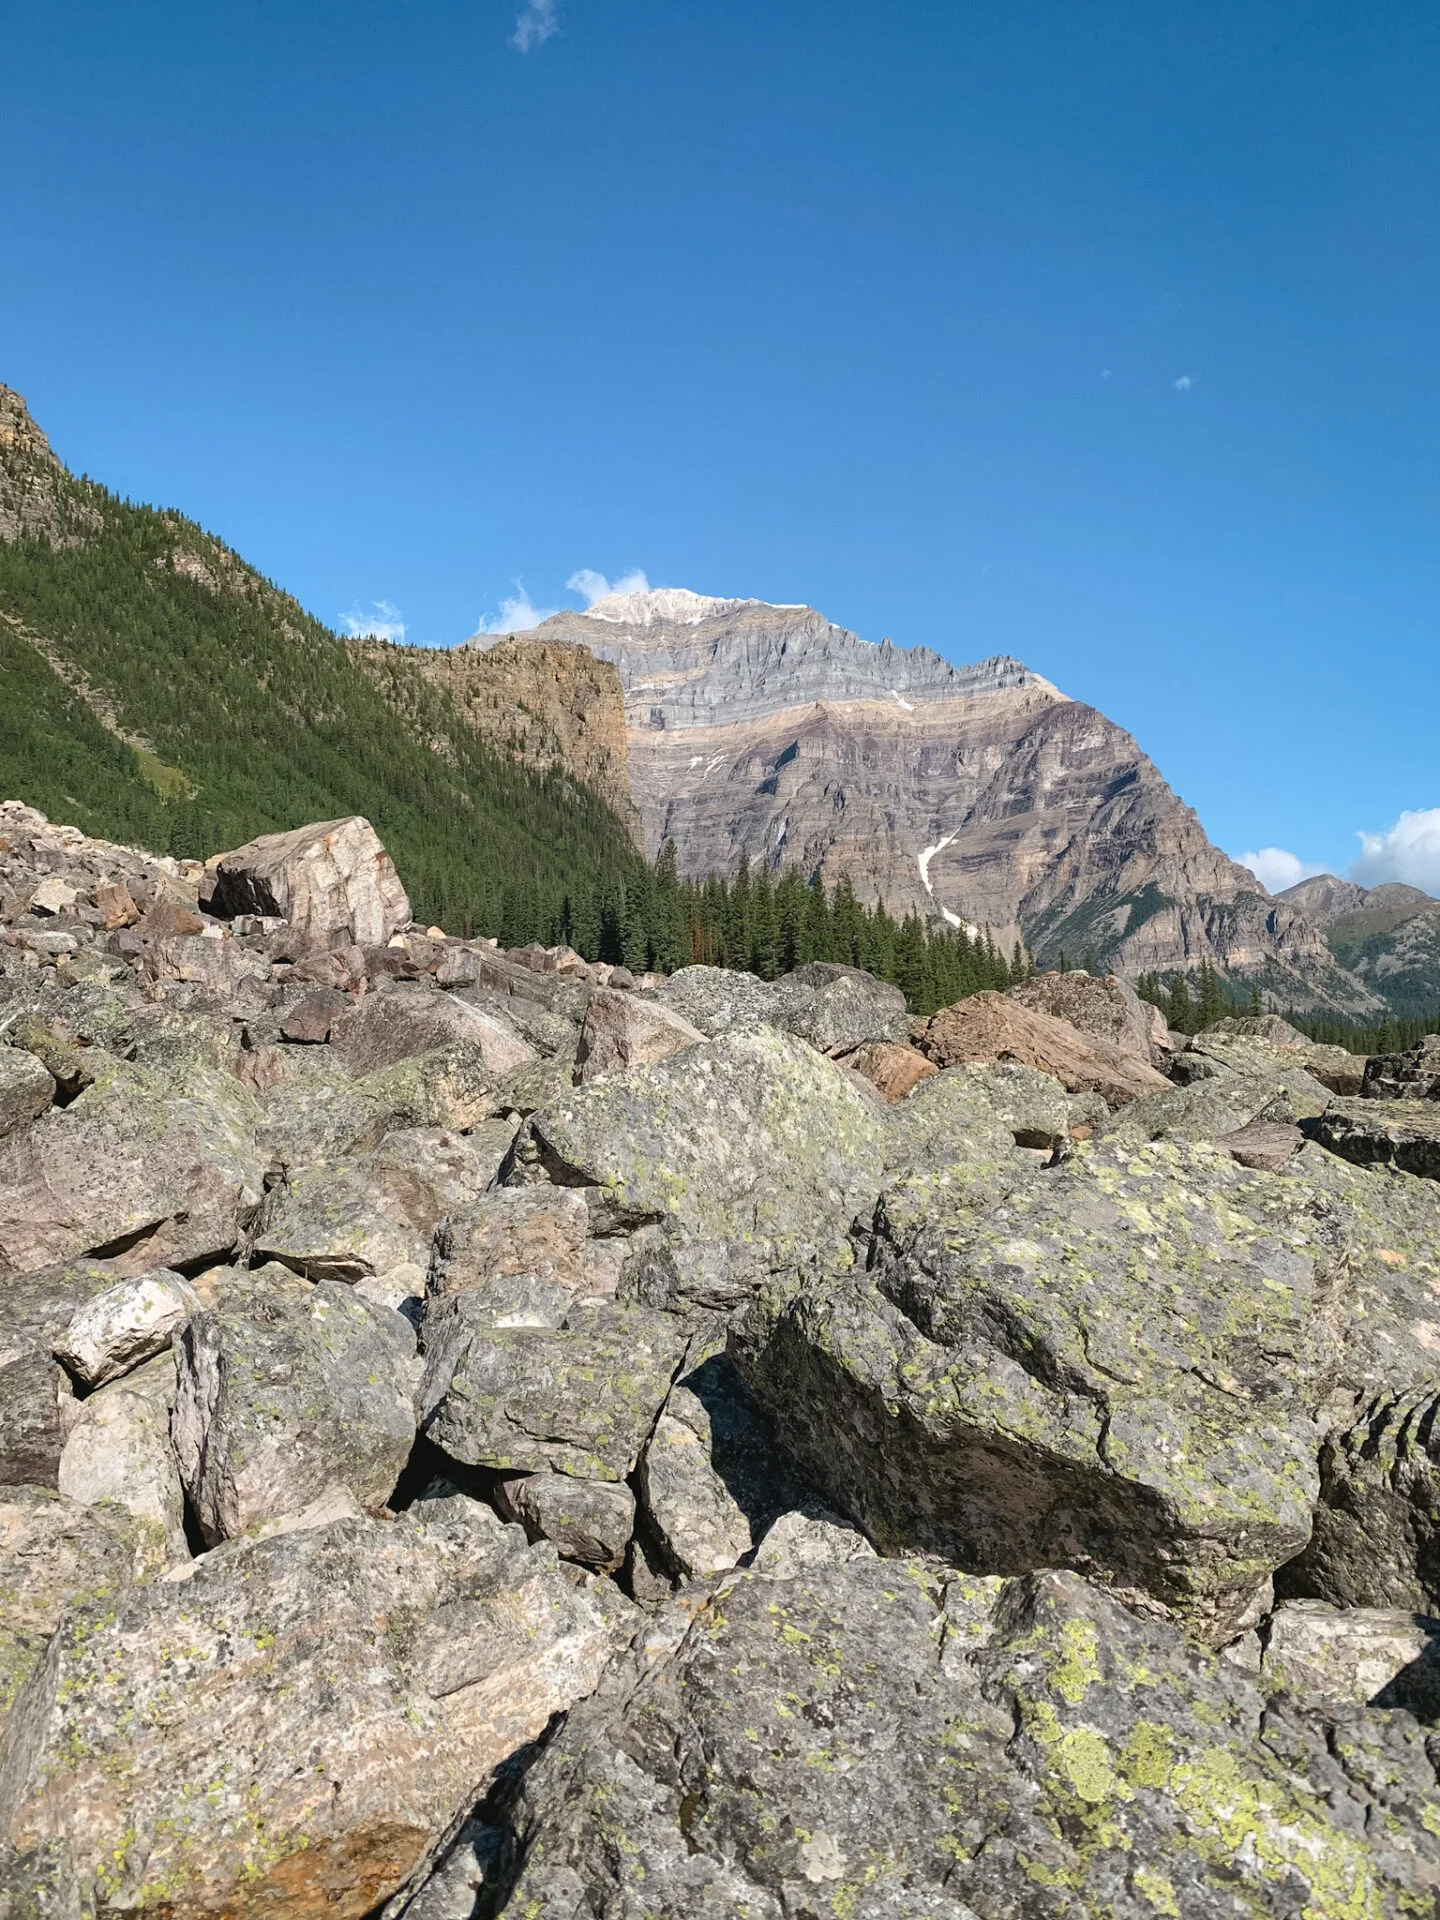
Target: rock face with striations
[(979, 792)]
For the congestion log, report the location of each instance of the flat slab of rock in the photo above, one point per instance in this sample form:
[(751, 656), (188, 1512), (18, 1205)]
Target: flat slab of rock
[(319, 1705), (579, 1399), (284, 1389), (409, 1018), (622, 1031), (330, 878), (990, 1027), (1383, 1133), (1085, 1372), (1031, 1750), (589, 1521)]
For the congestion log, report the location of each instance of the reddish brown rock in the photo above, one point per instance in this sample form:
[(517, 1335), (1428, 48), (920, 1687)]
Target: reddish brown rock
[(892, 1069), (1106, 1009), (622, 1031), (992, 1027)]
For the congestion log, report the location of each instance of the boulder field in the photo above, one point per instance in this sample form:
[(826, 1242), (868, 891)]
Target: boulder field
[(483, 1434)]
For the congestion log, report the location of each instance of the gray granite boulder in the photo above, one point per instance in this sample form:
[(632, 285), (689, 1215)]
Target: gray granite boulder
[(54, 1554), (26, 1089), (877, 1739), (1118, 1367), (285, 1389), (288, 1724)]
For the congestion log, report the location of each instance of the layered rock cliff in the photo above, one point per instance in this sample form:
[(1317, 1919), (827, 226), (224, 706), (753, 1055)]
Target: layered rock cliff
[(551, 706), (980, 793)]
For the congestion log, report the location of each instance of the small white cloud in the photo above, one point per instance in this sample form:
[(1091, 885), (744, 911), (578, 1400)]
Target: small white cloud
[(1276, 869), (382, 622), (1408, 851), (1185, 383), (518, 614), (534, 26), (1106, 374), (593, 586)]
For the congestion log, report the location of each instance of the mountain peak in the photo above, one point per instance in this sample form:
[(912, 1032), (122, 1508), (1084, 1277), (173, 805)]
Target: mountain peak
[(672, 606)]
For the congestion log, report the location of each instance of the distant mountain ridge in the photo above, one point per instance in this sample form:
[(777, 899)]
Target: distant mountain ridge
[(981, 793), (1387, 936)]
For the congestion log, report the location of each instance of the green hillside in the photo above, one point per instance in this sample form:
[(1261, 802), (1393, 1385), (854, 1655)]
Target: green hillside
[(156, 690)]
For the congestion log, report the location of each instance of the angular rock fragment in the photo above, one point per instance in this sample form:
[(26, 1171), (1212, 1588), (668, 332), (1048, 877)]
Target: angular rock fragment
[(1383, 1133), (411, 1018), (836, 1008), (330, 878), (1117, 1367), (586, 1520), (523, 1248), (26, 1089), (893, 1070), (118, 1454), (1381, 1656), (621, 1031), (128, 1323), (990, 1027), (872, 1739), (290, 1726), (284, 1389), (1106, 1008)]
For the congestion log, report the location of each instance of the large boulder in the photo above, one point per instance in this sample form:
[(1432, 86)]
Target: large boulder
[(1116, 1367), (334, 878), (695, 1144), (1384, 1133), (622, 1031), (26, 1089), (1404, 1076), (53, 1555), (990, 1027), (411, 1017), (891, 1069), (142, 1158), (1106, 1008), (579, 1398), (867, 1739), (1335, 1067), (288, 1727), (118, 1455), (285, 1389), (836, 1008)]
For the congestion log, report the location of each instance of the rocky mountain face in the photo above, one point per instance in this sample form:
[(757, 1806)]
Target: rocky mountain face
[(1386, 936), (483, 1435), (547, 705), (981, 793)]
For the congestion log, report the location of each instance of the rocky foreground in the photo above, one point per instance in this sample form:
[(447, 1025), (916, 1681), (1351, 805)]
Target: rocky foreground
[(480, 1434)]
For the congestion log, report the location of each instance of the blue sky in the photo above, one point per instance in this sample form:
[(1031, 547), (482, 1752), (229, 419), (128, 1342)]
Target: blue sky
[(1103, 334)]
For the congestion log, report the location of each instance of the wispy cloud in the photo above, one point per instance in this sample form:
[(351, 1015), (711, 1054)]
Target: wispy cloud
[(534, 25), (518, 614), (1184, 383), (1408, 851), (593, 586), (382, 622), (1276, 869)]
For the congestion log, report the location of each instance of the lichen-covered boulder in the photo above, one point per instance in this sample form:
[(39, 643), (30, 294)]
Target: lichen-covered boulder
[(973, 1114), (125, 1325), (874, 1739), (26, 1089), (717, 1000), (1211, 1107), (578, 1399), (1258, 1045), (696, 1144), (135, 1157), (285, 1388), (1117, 1367), (331, 1223), (53, 1555), (292, 1724), (836, 1008), (523, 1248)]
